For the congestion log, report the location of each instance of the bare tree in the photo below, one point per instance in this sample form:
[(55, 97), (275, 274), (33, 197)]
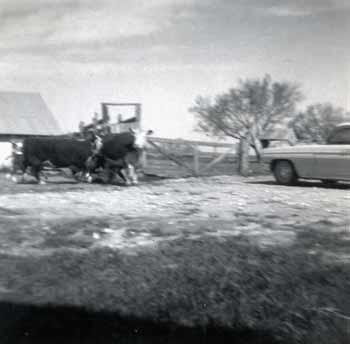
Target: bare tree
[(246, 112), (317, 121)]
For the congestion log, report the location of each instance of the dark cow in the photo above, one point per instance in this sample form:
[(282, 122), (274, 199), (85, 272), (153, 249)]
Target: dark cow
[(124, 167), (127, 167), (121, 153), (57, 151)]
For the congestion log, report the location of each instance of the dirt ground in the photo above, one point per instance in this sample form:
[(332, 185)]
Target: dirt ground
[(41, 219), (242, 253)]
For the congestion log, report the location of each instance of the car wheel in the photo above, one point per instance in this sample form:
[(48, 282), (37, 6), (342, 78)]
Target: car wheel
[(284, 172)]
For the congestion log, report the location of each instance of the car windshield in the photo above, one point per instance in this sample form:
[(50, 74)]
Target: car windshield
[(340, 136)]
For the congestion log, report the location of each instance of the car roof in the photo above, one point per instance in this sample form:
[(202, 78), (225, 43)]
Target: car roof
[(342, 125)]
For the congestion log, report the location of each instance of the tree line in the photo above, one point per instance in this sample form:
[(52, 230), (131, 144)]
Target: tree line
[(256, 107)]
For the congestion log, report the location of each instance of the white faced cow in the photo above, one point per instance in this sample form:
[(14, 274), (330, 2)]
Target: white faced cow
[(121, 154)]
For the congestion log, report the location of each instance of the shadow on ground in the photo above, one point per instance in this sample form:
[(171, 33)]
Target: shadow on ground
[(312, 184), (61, 184), (27, 324)]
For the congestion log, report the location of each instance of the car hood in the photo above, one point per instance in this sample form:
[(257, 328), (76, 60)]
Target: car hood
[(297, 148)]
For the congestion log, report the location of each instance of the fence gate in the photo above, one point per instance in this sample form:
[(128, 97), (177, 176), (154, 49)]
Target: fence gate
[(171, 157)]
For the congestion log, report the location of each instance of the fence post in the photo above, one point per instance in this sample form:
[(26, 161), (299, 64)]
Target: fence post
[(144, 159), (243, 157), (196, 159)]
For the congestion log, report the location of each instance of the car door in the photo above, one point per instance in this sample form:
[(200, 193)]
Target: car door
[(333, 159)]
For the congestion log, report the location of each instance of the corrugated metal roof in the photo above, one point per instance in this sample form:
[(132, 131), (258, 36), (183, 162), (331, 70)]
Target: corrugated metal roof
[(23, 113)]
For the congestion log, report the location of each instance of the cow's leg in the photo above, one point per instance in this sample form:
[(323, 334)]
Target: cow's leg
[(92, 165), (15, 179), (110, 174), (12, 174), (122, 173), (36, 169), (23, 178), (23, 169), (39, 179), (126, 174), (76, 173), (43, 175), (36, 166), (133, 175), (88, 177)]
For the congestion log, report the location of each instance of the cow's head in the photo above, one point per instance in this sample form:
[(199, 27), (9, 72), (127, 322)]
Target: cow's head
[(140, 137)]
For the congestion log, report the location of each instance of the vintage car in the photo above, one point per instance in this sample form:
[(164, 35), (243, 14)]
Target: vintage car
[(328, 162)]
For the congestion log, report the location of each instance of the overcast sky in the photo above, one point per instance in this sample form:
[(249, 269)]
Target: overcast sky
[(163, 53)]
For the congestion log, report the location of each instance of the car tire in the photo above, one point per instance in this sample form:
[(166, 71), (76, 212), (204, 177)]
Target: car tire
[(284, 172)]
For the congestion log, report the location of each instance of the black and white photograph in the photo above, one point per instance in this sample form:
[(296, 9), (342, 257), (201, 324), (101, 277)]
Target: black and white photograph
[(175, 171)]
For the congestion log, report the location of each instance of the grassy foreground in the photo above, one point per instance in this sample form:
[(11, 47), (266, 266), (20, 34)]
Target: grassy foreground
[(229, 284)]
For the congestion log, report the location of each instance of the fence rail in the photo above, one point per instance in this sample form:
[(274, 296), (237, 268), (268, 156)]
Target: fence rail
[(191, 143)]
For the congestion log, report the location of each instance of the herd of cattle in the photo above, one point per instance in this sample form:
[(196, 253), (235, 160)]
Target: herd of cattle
[(113, 154)]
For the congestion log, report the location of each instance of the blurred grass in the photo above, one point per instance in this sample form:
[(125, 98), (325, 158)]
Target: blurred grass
[(207, 283)]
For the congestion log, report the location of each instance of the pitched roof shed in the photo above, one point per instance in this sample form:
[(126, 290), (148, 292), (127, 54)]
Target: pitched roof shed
[(23, 113)]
